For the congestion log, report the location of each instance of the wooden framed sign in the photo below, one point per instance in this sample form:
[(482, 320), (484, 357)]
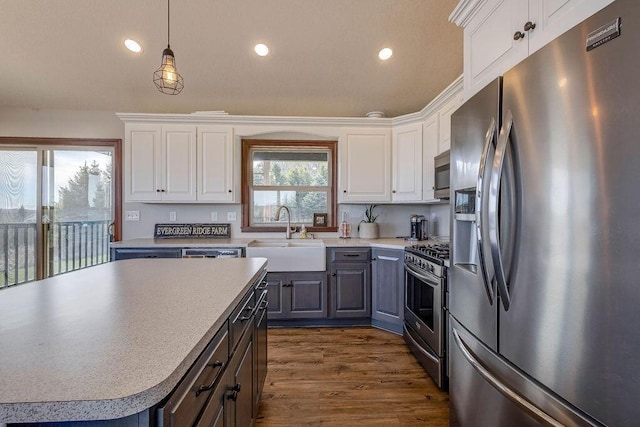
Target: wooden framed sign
[(198, 231)]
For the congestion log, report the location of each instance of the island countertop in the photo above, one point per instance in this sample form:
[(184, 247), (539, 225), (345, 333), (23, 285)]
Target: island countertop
[(112, 340)]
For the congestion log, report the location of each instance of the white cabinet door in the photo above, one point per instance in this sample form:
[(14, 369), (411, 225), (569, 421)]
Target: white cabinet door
[(407, 164), (143, 162), (215, 164), (489, 45), (365, 166), (179, 157), (430, 135), (554, 17), (444, 137), (490, 48)]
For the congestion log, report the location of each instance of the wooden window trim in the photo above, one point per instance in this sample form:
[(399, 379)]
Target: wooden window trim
[(248, 144), (116, 144)]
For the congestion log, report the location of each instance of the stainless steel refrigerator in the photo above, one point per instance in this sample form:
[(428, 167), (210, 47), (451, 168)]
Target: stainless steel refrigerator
[(545, 263)]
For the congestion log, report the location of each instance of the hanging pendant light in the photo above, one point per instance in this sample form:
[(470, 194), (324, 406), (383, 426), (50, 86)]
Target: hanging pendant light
[(166, 78)]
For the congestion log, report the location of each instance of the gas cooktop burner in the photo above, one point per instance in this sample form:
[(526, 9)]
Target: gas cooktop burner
[(437, 252)]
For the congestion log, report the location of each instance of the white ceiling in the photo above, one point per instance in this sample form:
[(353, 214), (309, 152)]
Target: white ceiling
[(69, 54)]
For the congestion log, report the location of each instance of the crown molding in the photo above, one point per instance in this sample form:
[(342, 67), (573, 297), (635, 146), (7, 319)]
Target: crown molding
[(435, 105), (464, 11), (224, 119)]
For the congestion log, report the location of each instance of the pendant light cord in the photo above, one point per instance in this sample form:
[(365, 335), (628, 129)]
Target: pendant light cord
[(168, 24)]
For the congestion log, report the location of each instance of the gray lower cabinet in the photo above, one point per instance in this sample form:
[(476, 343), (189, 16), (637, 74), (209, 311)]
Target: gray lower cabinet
[(297, 295), (235, 368), (387, 283), (350, 282)]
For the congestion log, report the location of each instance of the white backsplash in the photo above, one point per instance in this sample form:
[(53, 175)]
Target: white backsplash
[(393, 220)]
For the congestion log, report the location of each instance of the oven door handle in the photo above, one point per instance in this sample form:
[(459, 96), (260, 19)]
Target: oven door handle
[(429, 278)]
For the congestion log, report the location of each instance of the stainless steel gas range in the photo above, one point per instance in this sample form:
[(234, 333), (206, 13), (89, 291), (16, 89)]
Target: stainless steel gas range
[(425, 316)]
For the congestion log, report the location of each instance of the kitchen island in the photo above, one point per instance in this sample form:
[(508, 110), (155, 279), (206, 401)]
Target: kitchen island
[(112, 341)]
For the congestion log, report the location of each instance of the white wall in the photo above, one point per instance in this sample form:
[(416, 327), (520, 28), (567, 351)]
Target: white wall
[(393, 219)]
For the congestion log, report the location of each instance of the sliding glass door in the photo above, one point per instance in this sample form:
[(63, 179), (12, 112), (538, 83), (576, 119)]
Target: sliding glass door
[(57, 209)]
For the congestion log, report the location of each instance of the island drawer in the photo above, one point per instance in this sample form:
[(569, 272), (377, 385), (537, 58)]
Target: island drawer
[(189, 398), (240, 319)]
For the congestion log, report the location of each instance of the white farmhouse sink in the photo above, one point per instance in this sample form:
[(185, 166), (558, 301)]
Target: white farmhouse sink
[(290, 255)]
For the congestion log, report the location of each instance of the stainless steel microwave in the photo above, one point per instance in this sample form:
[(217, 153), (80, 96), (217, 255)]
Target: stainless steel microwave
[(442, 167)]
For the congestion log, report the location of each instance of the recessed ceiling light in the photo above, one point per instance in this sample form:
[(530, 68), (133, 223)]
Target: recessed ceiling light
[(261, 49), (385, 54), (133, 45)]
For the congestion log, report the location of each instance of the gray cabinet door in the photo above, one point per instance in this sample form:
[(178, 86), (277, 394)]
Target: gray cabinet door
[(308, 295), (276, 288), (300, 295), (387, 279), (241, 387), (350, 290)]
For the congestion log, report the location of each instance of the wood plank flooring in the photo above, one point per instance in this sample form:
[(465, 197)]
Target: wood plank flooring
[(347, 377)]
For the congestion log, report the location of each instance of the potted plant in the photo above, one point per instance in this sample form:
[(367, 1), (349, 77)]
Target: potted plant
[(368, 228)]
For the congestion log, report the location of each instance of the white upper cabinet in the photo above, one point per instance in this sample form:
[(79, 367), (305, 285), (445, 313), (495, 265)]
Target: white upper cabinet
[(179, 161), (216, 159), (498, 34), (365, 166), (160, 163), (407, 164), (143, 162), (444, 131), (430, 136)]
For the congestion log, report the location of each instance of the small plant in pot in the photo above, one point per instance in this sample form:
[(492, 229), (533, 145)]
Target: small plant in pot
[(368, 228)]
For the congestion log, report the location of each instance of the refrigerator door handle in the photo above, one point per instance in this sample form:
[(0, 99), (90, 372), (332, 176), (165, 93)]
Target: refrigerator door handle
[(480, 191), (494, 206), (520, 401)]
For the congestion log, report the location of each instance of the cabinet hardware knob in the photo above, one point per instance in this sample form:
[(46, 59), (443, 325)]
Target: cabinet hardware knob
[(157, 190), (529, 26), (344, 191), (162, 190), (374, 259), (518, 35), (334, 275), (394, 191), (230, 191)]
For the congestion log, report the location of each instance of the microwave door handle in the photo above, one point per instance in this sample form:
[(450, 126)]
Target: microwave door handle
[(494, 206), (480, 206)]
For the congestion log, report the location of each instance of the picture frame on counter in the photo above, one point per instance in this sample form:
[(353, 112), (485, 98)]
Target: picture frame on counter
[(320, 219)]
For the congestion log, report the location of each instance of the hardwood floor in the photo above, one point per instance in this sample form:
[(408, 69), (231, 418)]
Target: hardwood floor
[(347, 377)]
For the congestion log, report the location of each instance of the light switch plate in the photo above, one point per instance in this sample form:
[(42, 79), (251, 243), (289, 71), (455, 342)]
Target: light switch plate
[(132, 216), (214, 216), (172, 216), (231, 216)]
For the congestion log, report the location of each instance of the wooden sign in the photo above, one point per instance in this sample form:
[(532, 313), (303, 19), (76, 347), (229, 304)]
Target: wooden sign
[(197, 231)]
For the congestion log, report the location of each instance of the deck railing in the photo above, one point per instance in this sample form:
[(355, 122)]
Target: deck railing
[(73, 245)]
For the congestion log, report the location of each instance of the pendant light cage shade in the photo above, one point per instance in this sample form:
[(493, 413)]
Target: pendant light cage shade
[(166, 78)]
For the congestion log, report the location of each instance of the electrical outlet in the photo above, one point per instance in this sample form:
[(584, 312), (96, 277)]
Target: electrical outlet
[(172, 216), (214, 216), (231, 216), (132, 216)]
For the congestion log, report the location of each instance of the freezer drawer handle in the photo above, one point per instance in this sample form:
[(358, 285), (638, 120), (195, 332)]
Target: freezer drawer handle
[(520, 401)]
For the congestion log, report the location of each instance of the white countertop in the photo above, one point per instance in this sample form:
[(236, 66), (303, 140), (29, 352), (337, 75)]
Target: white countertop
[(385, 242), (112, 340)]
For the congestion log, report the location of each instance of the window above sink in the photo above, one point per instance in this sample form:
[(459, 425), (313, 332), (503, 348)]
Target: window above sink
[(298, 174)]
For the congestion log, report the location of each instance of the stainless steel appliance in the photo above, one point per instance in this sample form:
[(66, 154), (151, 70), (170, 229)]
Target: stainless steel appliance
[(425, 325), (544, 272), (441, 179), (211, 252), (419, 228)]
